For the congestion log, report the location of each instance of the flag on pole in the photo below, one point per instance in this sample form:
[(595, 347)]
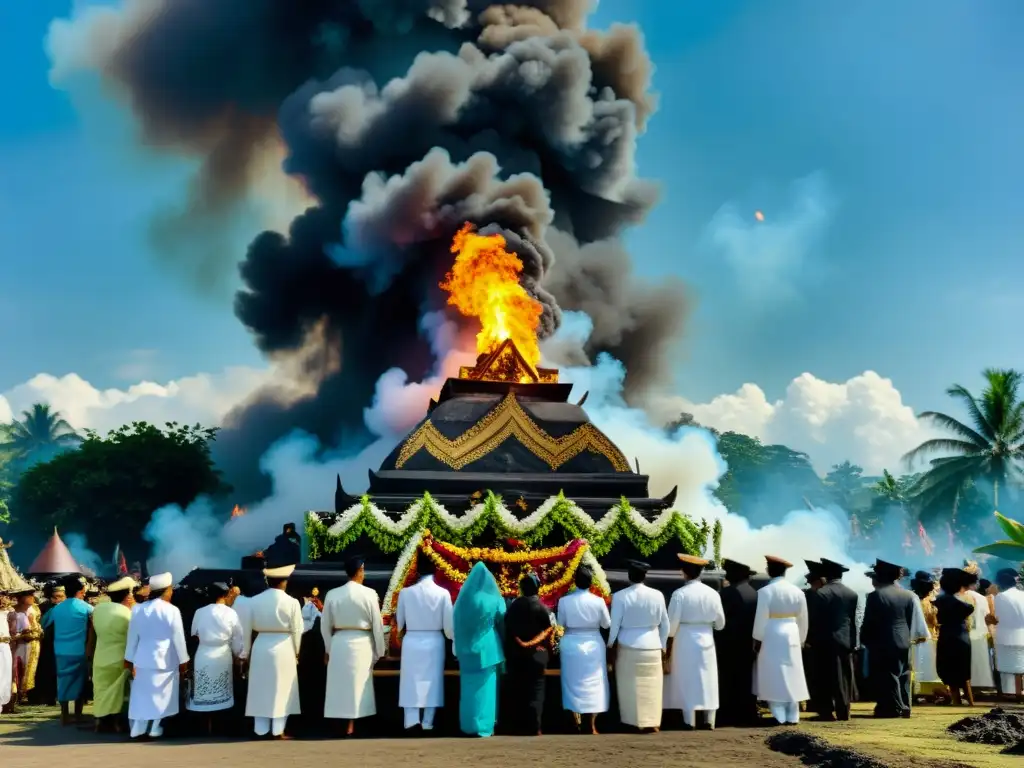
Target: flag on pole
[(119, 561)]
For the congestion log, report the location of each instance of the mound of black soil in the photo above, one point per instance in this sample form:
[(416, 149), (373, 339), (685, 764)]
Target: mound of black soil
[(1015, 749), (818, 753), (995, 727)]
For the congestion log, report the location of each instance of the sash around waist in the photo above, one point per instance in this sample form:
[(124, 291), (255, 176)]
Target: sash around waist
[(781, 616), (351, 629), (582, 631)]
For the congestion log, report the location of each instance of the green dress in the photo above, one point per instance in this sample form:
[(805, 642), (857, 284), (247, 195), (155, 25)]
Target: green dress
[(109, 677), (478, 616)]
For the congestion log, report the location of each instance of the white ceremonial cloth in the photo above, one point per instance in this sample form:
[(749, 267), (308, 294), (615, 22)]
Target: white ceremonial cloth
[(156, 648), (780, 625), (981, 659), (694, 614), (276, 618), (353, 634), (309, 615), (1009, 632), (6, 662), (425, 613), (220, 641), (584, 673), (639, 618)]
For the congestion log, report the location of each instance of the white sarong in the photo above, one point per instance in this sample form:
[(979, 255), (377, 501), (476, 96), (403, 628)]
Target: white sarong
[(6, 670), (350, 676), (923, 655), (421, 683), (1010, 659), (584, 672), (780, 664), (273, 677), (640, 684), (693, 677), (154, 694), (213, 685)]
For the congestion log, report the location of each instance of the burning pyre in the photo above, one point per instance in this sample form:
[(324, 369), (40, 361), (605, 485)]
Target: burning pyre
[(483, 283)]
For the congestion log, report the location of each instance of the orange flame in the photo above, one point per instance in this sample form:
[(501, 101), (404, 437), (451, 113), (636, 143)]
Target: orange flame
[(237, 511), (484, 283)]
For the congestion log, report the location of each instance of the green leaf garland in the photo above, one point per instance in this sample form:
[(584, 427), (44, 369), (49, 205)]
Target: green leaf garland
[(620, 521)]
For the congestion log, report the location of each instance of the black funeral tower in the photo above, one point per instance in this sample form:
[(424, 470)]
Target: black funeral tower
[(506, 427)]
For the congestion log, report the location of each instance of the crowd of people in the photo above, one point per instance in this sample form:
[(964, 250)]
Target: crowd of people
[(711, 655)]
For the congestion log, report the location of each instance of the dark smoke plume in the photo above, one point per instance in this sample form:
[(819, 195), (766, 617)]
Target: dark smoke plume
[(404, 119)]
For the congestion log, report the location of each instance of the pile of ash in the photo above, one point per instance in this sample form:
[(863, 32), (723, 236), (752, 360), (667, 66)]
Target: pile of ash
[(997, 726), (818, 753)]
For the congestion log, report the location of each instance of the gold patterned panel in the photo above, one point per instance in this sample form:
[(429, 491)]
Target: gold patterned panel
[(507, 420)]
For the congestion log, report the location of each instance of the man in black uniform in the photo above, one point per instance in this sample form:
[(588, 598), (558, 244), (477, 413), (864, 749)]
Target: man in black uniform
[(734, 647), (839, 641), (817, 636), (888, 616)]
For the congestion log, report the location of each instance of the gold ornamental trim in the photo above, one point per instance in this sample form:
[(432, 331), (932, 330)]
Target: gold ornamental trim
[(509, 419)]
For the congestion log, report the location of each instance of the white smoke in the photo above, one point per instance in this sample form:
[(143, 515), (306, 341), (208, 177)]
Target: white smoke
[(78, 545)]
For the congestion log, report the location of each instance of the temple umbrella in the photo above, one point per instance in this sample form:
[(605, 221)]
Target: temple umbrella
[(56, 559)]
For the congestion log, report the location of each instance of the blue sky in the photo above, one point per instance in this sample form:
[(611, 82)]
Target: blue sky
[(882, 141)]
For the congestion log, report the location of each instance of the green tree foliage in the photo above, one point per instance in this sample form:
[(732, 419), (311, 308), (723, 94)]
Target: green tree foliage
[(989, 448), (846, 485), (766, 481), (109, 488)]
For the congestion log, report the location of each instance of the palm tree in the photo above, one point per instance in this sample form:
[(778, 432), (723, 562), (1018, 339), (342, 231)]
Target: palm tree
[(989, 448), (39, 434), (1011, 548)]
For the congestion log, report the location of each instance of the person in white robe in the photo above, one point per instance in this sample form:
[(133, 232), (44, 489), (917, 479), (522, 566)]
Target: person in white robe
[(695, 613), (982, 675), (220, 643), (638, 636), (6, 658), (424, 613), (584, 673), (780, 631), (157, 656), (1008, 632), (353, 634), (275, 618)]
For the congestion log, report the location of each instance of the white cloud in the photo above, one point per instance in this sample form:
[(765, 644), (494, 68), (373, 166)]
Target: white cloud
[(770, 257), (863, 419), (203, 398)]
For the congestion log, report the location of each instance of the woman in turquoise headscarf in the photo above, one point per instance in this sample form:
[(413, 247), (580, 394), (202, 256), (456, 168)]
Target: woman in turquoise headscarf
[(478, 619)]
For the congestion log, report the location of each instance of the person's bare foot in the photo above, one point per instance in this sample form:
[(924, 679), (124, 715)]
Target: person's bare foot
[(284, 737), (351, 729)]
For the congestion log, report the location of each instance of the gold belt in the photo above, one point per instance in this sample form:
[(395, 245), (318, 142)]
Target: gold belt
[(5, 641), (783, 615)]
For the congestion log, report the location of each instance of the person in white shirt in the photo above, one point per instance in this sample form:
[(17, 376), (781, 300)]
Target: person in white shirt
[(425, 614), (310, 612), (694, 614), (157, 656), (220, 643), (638, 636), (780, 631), (1008, 631), (276, 619), (353, 634), (583, 614)]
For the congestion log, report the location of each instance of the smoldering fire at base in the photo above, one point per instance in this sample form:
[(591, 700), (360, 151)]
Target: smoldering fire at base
[(403, 122)]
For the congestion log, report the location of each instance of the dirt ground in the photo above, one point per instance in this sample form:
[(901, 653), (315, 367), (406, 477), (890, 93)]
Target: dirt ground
[(33, 738)]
